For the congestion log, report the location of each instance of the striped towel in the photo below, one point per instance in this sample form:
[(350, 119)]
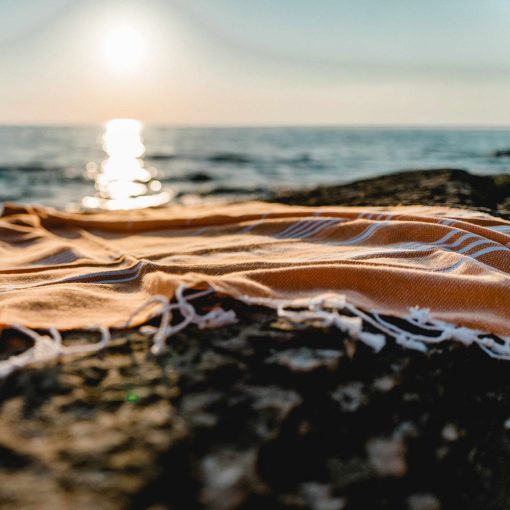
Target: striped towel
[(418, 274)]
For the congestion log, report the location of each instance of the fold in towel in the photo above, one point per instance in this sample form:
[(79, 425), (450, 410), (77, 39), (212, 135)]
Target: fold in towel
[(70, 271)]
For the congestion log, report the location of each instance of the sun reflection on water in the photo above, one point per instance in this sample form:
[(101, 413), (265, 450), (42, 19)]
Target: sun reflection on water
[(122, 181)]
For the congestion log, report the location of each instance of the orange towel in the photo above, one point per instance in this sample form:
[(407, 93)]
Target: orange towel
[(74, 270)]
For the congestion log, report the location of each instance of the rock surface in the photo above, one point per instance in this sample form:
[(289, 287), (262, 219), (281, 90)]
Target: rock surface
[(259, 415), (453, 187)]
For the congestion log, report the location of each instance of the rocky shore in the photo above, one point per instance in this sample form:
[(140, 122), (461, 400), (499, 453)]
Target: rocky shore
[(260, 415)]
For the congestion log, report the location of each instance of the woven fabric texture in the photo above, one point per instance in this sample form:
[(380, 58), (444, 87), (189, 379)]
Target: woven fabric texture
[(74, 270)]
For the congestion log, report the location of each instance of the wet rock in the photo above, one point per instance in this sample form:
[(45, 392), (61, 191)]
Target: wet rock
[(227, 478), (406, 430), (350, 397), (448, 186), (319, 496), (305, 360), (238, 345), (349, 473), (196, 408), (385, 384), (423, 502), (450, 433), (160, 156), (387, 457), (272, 406), (218, 369), (501, 153), (228, 157), (199, 177), (11, 459)]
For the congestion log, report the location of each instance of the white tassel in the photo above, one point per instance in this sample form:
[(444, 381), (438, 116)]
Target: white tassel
[(419, 315), (48, 348), (410, 343), (213, 319), (374, 340), (327, 310)]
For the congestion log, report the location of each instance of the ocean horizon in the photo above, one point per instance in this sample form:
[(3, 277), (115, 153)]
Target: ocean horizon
[(51, 164)]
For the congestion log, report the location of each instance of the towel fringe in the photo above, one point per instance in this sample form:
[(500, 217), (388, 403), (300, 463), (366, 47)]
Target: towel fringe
[(216, 318), (49, 348), (416, 331)]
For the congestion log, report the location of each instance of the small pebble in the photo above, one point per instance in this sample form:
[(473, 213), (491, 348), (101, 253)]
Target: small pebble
[(304, 360), (319, 497), (423, 502), (350, 397), (450, 433), (385, 383), (226, 477), (387, 457)]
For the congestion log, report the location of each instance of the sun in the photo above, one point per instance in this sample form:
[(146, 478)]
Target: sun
[(124, 48)]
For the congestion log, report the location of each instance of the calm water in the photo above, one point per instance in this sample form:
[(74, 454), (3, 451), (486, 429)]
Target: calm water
[(48, 164)]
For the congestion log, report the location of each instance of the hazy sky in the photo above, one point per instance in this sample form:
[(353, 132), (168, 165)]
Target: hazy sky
[(218, 62)]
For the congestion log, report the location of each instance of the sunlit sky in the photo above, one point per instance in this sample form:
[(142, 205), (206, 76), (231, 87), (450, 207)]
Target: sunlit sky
[(256, 62)]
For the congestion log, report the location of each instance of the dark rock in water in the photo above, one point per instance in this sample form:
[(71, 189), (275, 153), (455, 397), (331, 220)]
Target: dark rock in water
[(196, 177), (252, 192), (36, 167), (304, 158), (228, 157), (261, 415), (160, 156), (199, 177), (502, 153), (452, 187)]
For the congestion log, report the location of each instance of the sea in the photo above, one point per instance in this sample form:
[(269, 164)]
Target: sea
[(59, 166)]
